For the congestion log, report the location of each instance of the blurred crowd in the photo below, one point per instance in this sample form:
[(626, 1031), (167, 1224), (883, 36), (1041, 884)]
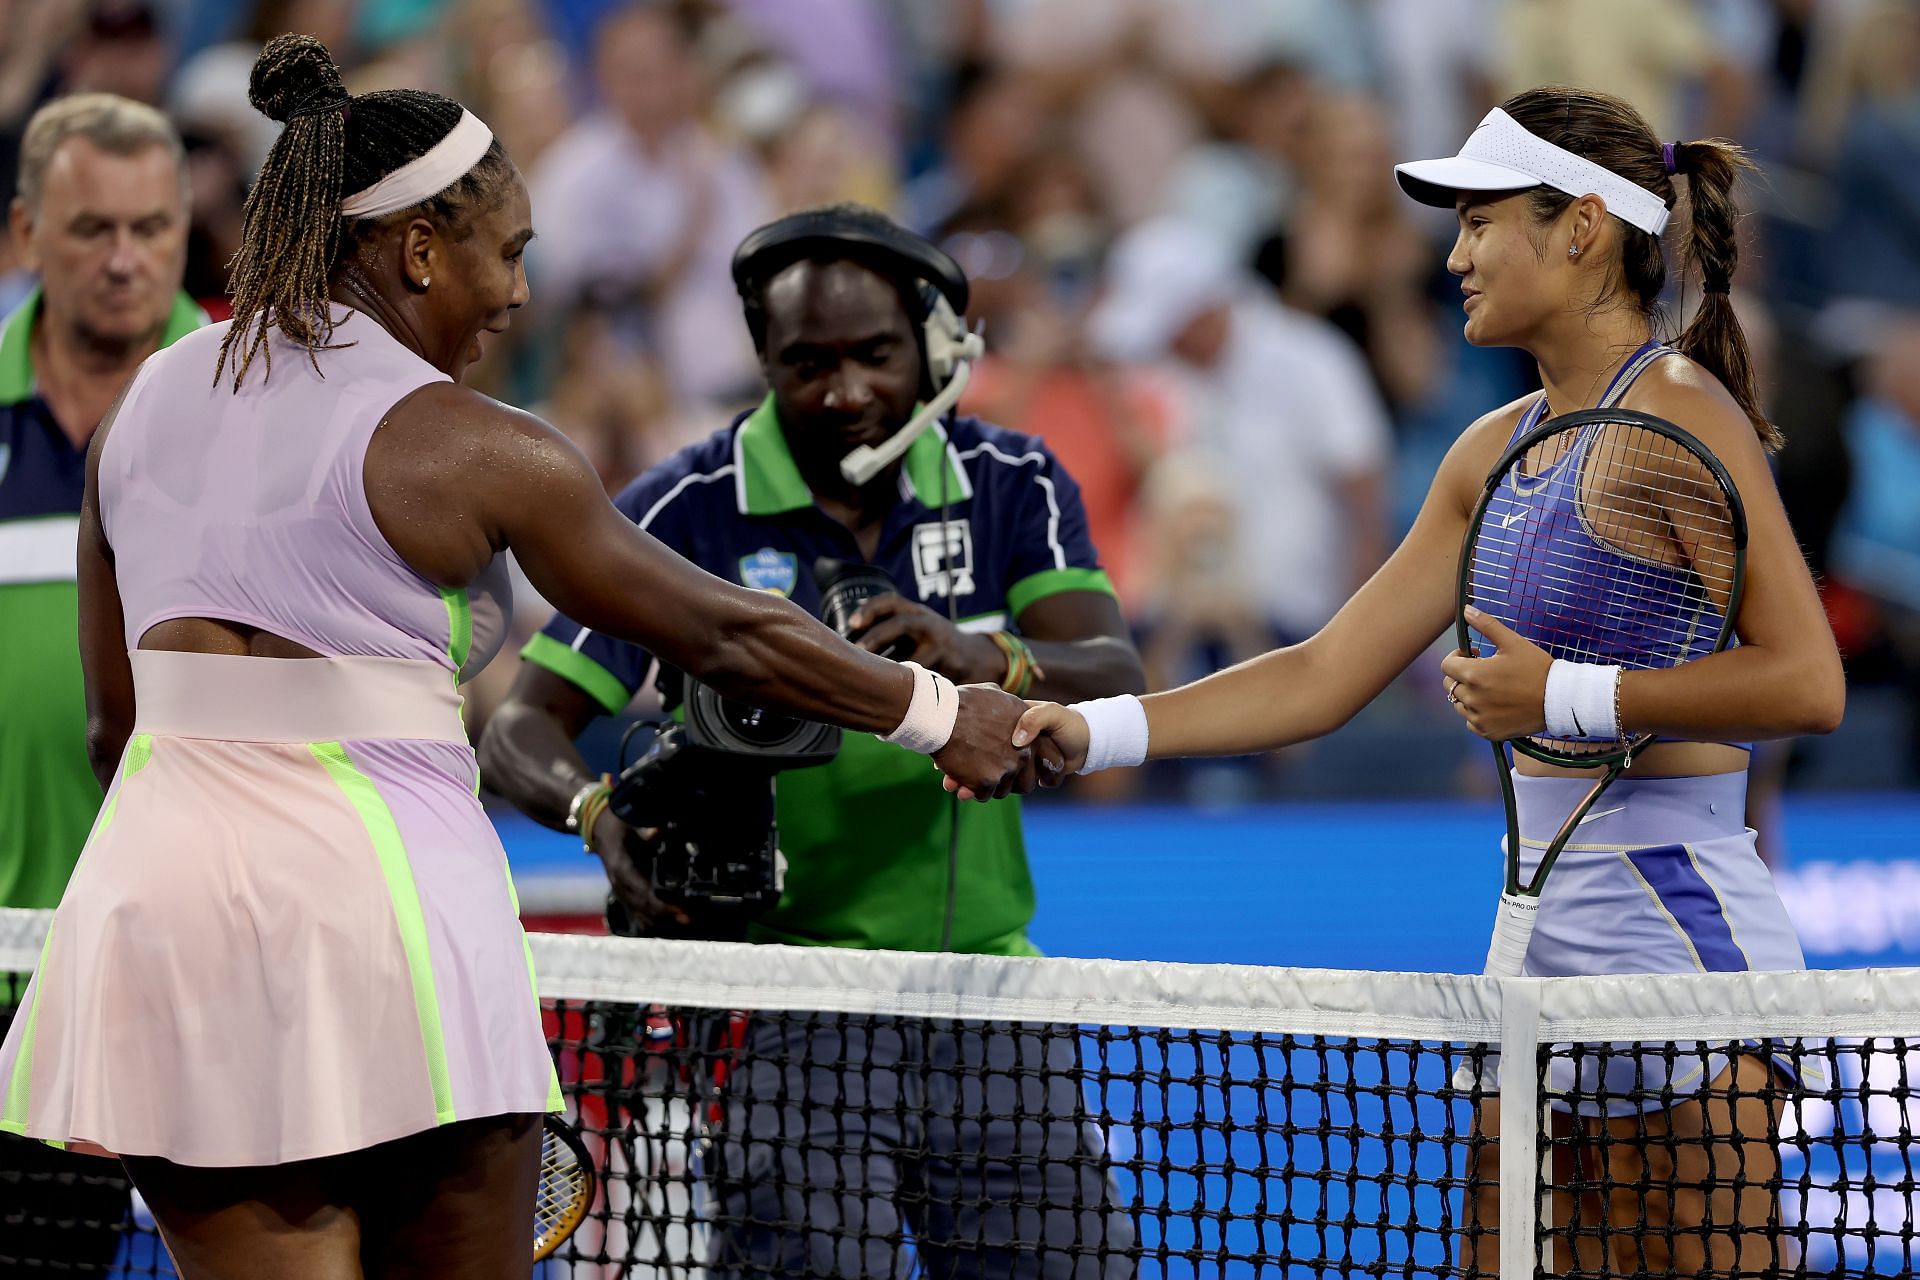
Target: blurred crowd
[(1196, 276)]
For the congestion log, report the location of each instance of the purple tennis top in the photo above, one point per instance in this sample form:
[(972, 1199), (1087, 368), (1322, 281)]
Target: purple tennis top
[(250, 506)]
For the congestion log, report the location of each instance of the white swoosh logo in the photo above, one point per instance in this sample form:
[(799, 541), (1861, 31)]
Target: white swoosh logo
[(1604, 813), (1512, 518)]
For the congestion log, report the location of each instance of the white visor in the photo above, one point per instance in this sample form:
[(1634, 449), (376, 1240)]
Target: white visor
[(425, 176), (1503, 156)]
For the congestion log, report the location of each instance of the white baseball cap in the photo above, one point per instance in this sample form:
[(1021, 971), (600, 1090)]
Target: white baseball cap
[(1503, 156), (1160, 275)]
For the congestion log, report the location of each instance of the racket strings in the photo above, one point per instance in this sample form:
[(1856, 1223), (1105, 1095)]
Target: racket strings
[(565, 1187), (1609, 542)]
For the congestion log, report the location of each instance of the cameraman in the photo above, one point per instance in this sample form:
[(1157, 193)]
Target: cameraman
[(983, 532)]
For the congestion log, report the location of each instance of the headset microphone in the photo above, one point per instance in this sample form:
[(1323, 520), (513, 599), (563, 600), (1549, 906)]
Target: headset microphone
[(869, 460)]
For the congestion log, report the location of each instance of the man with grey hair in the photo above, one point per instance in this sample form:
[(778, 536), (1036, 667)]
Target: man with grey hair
[(101, 217)]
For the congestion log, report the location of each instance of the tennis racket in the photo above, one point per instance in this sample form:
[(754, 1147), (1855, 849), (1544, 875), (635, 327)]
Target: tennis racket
[(1605, 536), (566, 1186)]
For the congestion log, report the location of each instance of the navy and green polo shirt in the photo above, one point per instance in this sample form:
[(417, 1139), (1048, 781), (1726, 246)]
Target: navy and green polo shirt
[(866, 836), (48, 794)]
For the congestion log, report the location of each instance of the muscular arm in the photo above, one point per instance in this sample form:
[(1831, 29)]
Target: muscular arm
[(453, 478), (103, 633), (509, 480), (1306, 690)]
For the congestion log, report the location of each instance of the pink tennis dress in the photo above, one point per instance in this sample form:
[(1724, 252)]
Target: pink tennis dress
[(292, 933)]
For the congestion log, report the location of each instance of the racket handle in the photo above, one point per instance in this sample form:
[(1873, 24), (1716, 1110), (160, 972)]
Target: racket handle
[(1506, 955), (1512, 930)]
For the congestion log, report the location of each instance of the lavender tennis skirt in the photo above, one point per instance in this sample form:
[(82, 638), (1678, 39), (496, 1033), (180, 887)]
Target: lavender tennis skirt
[(1662, 877)]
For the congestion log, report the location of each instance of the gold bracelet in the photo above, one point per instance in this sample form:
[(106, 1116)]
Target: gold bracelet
[(1022, 670), (592, 807)]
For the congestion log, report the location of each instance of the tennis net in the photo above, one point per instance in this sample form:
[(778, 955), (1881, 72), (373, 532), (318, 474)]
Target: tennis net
[(773, 1111)]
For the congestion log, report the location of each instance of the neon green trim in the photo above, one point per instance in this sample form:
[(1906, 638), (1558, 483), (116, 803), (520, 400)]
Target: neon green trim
[(183, 319), (13, 1117), (16, 351), (772, 482), (922, 467), (459, 627), (16, 340), (13, 1114), (599, 683), (770, 477), (1051, 582), (365, 797)]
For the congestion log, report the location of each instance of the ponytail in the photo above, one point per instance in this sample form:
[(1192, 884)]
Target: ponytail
[(293, 224), (1714, 339)]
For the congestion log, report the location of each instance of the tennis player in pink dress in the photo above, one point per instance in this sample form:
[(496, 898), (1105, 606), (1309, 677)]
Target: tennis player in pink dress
[(287, 984)]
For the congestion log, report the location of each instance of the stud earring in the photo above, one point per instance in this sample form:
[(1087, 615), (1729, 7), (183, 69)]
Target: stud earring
[(1573, 251), (426, 282)]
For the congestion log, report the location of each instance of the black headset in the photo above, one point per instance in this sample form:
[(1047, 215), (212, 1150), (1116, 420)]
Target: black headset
[(856, 232)]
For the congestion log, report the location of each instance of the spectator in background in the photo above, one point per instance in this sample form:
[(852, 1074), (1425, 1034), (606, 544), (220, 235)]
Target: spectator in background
[(1876, 547), (1351, 255), (1200, 613), (515, 74), (1648, 52), (217, 177), (1242, 185), (121, 50), (1104, 424), (1434, 67), (844, 51), (1283, 398), (989, 133), (641, 205), (815, 151), (101, 215), (1873, 242)]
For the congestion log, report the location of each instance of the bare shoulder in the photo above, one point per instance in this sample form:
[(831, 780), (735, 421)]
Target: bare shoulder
[(1679, 390), (443, 414), (448, 466)]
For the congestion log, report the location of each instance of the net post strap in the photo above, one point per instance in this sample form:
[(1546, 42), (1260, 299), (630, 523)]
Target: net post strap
[(1520, 1155)]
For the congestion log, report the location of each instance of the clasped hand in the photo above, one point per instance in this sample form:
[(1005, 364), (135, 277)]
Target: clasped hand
[(1502, 696), (987, 758)]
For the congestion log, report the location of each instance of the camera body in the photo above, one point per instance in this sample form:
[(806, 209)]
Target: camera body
[(706, 783)]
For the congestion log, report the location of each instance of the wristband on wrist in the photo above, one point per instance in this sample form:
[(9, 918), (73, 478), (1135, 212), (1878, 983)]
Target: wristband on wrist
[(1022, 670), (1116, 732), (1583, 701), (931, 714)]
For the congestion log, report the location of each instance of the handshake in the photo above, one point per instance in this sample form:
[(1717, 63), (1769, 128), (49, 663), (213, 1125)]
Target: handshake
[(1003, 745)]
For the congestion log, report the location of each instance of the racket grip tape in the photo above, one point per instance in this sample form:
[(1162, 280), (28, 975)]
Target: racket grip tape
[(1512, 930)]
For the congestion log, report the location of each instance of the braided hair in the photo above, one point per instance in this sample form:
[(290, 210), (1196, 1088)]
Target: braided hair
[(1609, 132), (333, 144)]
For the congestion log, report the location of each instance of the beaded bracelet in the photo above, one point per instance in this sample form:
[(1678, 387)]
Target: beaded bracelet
[(1022, 670)]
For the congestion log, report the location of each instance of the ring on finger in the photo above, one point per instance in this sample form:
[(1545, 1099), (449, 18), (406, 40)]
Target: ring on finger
[(1453, 697)]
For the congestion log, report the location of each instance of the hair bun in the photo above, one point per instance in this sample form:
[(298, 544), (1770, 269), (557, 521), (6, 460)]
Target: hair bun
[(292, 74)]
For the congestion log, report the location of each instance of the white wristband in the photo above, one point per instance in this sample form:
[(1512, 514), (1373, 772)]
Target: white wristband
[(1116, 732), (1580, 701), (930, 715)]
